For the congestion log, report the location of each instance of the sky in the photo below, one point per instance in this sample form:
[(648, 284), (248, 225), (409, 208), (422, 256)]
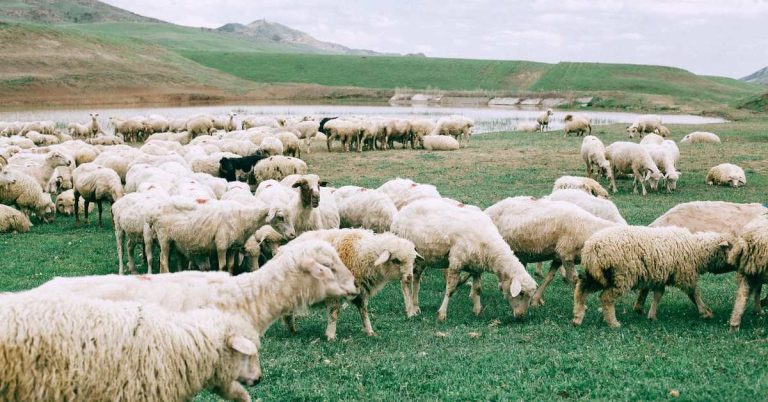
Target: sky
[(711, 37)]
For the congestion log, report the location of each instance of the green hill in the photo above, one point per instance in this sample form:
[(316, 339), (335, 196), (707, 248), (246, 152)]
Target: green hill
[(62, 11)]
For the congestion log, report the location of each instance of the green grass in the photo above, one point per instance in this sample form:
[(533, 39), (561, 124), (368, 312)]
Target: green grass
[(542, 358)]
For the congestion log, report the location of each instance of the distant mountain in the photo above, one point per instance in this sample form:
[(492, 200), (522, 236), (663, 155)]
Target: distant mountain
[(265, 31), (66, 11), (758, 77)]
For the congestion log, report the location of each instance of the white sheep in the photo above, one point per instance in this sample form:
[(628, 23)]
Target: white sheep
[(95, 183), (710, 216), (42, 139), (528, 126), (406, 191), (106, 139), (17, 188), (129, 215), (343, 130), (750, 257), (664, 157), (652, 139), (13, 221), (593, 154), (599, 207), (291, 143), (261, 121), (40, 167), (459, 127), (577, 124), (726, 174), (644, 124), (628, 157), (420, 128), (700, 137), (398, 130), (469, 241), (278, 167), (306, 131), (590, 186), (663, 131), (182, 137), (315, 207), (105, 350), (440, 143), (200, 126), (225, 123), (543, 119), (65, 203), (364, 208), (619, 259)]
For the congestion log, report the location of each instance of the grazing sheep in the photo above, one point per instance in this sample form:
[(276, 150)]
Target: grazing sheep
[(576, 124), (306, 131), (710, 216), (598, 207), (644, 124), (42, 139), (262, 246), (156, 124), (585, 184), (130, 129), (616, 260), (398, 130), (663, 131), (364, 208), (271, 146), (652, 139), (129, 216), (17, 188), (65, 203), (528, 127), (440, 143), (593, 153), (291, 143), (550, 231), (406, 191), (420, 128), (105, 350), (231, 168), (44, 127), (374, 260), (343, 130), (468, 241), (200, 126), (95, 183), (278, 167), (105, 139), (726, 174), (21, 142), (628, 157), (543, 119), (700, 137), (13, 221), (459, 127), (664, 158), (750, 257)]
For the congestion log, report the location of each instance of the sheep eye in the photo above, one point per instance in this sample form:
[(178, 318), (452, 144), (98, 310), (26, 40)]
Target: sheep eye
[(395, 261)]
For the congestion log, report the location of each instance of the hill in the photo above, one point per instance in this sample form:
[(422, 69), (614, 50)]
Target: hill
[(62, 11), (758, 77)]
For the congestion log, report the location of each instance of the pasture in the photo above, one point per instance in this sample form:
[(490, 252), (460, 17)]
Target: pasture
[(491, 356)]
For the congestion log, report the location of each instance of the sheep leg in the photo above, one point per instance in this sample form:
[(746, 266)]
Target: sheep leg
[(86, 204), (328, 142), (657, 295), (98, 204), (642, 294), (333, 306), (131, 246), (569, 270), (589, 170), (451, 282), (638, 178), (695, 296), (757, 288), (579, 302), (230, 258), (234, 392), (475, 292), (740, 304), (77, 208), (361, 302), (221, 256), (119, 243), (165, 254), (553, 267), (148, 252), (418, 270), (407, 287), (539, 269), (607, 300), (613, 182)]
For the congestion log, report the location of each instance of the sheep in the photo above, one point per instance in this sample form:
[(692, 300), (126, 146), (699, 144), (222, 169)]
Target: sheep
[(278, 167), (118, 161), (616, 260), (585, 184), (129, 216), (364, 208), (79, 130), (13, 221), (209, 164), (105, 140), (374, 130), (576, 124), (21, 142), (700, 137), (291, 143), (43, 127), (406, 191), (229, 167), (225, 123), (271, 146), (306, 131), (663, 131), (77, 150), (528, 127), (552, 230), (593, 153), (42, 139), (181, 137), (628, 157), (710, 216), (40, 168), (543, 119), (156, 124), (315, 207), (598, 207), (652, 139), (420, 128), (644, 124), (374, 260), (397, 130), (468, 241), (200, 126), (664, 158), (440, 143), (22, 190), (251, 122), (343, 130), (263, 244), (750, 256), (726, 174), (129, 129), (65, 203), (459, 127), (95, 184), (104, 350)]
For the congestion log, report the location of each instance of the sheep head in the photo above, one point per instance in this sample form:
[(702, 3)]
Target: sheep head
[(309, 190)]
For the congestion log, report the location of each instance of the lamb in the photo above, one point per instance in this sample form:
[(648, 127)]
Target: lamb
[(576, 124), (271, 146), (226, 123), (440, 143), (593, 153), (628, 157), (374, 260), (17, 188), (65, 203), (291, 143), (644, 124), (552, 230), (229, 167), (663, 131), (700, 137), (406, 191), (469, 241), (543, 119), (750, 256), (616, 260), (726, 174), (652, 139), (200, 126), (711, 216), (459, 127), (104, 350), (278, 167), (13, 221), (585, 184), (598, 207), (95, 184), (528, 127), (364, 208)]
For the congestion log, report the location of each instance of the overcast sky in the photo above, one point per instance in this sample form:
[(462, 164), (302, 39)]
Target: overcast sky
[(713, 37)]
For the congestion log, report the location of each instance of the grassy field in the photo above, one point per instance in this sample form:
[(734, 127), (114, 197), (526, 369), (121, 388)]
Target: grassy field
[(542, 358)]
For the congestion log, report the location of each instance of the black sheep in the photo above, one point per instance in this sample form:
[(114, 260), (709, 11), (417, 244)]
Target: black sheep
[(229, 166)]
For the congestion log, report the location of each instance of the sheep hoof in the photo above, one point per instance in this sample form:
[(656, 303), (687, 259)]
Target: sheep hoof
[(707, 314), (733, 328), (651, 317), (576, 322), (330, 338), (537, 302), (441, 316), (614, 324), (477, 310), (371, 333)]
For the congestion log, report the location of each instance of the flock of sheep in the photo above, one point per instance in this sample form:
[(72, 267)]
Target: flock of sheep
[(219, 199)]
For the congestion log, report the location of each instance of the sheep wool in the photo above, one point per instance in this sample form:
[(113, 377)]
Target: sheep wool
[(710, 216), (599, 207), (440, 143), (700, 137), (750, 256), (726, 174), (13, 221), (590, 186)]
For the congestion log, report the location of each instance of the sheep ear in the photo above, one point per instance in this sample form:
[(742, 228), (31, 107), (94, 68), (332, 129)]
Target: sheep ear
[(271, 215), (419, 256), (299, 183), (383, 257), (515, 288), (724, 244), (316, 270), (647, 175), (323, 183), (242, 345)]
